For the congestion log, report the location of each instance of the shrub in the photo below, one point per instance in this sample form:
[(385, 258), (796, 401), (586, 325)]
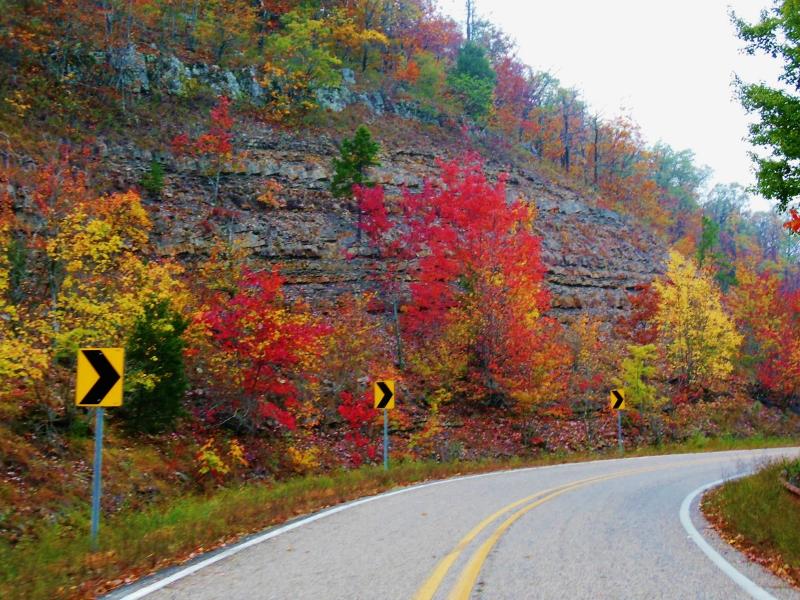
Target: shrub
[(350, 168), (153, 181), (156, 380)]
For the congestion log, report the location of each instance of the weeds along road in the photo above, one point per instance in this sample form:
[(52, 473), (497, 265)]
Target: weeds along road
[(607, 529)]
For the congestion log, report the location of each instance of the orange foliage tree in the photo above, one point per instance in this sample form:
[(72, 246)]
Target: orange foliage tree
[(475, 317), (267, 347), (769, 315)]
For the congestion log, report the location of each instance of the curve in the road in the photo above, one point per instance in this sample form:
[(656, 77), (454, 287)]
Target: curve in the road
[(469, 575), (576, 514), (430, 587), (163, 582), (744, 582)]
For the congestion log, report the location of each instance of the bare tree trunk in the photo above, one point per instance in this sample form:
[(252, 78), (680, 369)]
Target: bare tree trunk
[(565, 134), (470, 20), (596, 152), (398, 338)]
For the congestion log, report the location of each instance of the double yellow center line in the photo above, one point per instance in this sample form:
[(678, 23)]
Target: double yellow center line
[(469, 575)]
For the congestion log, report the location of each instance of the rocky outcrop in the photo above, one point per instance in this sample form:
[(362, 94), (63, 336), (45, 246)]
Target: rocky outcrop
[(593, 256), (140, 72)]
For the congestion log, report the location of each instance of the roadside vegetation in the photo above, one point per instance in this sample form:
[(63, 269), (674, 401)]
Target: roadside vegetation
[(757, 515)]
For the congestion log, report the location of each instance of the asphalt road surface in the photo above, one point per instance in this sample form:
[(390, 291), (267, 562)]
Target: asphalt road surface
[(606, 529)]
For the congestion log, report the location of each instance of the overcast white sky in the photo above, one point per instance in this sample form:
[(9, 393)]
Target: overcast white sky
[(670, 65)]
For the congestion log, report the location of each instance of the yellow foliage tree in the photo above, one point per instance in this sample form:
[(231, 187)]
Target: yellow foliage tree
[(20, 360), (224, 29), (99, 285), (107, 281), (700, 339)]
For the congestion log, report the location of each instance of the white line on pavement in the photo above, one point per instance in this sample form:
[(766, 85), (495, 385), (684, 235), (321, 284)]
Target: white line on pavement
[(748, 585)]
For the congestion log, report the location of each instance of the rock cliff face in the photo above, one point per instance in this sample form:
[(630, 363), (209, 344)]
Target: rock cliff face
[(593, 256)]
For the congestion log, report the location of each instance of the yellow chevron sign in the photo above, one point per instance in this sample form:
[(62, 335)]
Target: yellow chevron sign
[(384, 394), (617, 399), (99, 381)]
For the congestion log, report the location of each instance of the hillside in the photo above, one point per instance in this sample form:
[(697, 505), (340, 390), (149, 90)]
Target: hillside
[(269, 209), (594, 256)]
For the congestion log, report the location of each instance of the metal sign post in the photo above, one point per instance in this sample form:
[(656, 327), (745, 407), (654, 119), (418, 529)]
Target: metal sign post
[(97, 475), (383, 392), (616, 400), (98, 384), (385, 440)]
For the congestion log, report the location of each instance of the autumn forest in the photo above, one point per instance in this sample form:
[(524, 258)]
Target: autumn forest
[(123, 120)]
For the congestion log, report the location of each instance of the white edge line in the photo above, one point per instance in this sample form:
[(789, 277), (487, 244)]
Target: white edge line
[(748, 585), (235, 549)]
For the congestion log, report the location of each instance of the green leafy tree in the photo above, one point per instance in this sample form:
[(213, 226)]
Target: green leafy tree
[(475, 95), (709, 254), (153, 181), (777, 34), (678, 176), (473, 81), (637, 370), (430, 85), (350, 169), (300, 59), (709, 238), (156, 379)]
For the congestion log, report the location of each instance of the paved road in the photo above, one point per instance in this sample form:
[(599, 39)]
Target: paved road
[(607, 529)]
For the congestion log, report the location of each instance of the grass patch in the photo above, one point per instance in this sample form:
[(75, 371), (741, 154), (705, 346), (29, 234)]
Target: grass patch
[(758, 516), (57, 562)]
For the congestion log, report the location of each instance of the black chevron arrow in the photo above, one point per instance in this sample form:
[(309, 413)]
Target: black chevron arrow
[(108, 377), (619, 399), (387, 395)]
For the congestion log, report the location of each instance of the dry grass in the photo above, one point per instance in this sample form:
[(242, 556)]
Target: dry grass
[(759, 517)]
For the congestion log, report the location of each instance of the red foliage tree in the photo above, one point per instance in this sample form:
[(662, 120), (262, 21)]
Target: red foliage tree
[(640, 326), (514, 95), (428, 30), (476, 277), (793, 224), (769, 316), (268, 348), (359, 414), (214, 146)]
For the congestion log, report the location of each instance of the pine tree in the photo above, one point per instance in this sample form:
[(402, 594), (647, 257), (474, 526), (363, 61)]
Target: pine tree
[(350, 169), (473, 81), (153, 181), (156, 380)]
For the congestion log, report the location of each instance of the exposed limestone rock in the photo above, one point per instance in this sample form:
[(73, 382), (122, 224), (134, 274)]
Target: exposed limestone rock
[(131, 69), (173, 75), (594, 257)]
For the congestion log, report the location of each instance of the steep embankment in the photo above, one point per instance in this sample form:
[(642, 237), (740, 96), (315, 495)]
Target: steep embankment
[(593, 256)]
